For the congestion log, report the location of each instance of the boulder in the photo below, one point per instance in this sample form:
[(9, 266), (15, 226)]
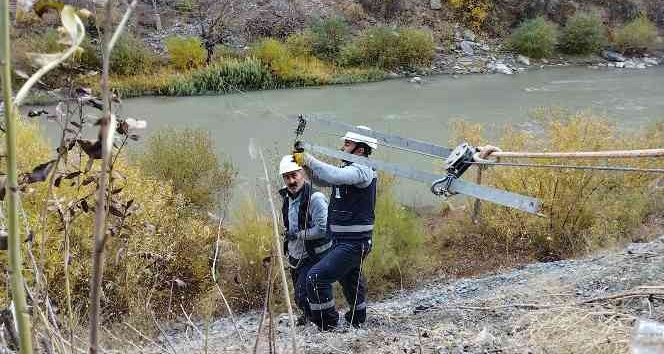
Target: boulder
[(435, 4), (501, 69), (416, 80), (468, 35), (612, 56), (467, 47)]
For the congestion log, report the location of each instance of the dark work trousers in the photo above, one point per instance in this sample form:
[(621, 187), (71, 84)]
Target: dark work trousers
[(299, 277), (342, 263)]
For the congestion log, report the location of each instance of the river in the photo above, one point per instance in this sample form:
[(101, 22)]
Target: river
[(423, 111)]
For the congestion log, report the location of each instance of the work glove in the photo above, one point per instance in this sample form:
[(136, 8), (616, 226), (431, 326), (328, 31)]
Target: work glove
[(298, 154), (298, 158)]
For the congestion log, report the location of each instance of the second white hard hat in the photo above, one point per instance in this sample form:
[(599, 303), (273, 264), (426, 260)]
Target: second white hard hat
[(288, 165), (359, 138)]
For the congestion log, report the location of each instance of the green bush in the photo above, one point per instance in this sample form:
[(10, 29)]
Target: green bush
[(535, 38), (328, 36), (188, 159), (351, 55), (300, 44), (416, 47), (90, 57), (132, 57), (186, 53), (582, 34), (292, 70), (271, 51), (637, 36), (389, 47), (232, 75)]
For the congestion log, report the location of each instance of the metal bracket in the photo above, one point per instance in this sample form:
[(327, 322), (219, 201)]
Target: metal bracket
[(442, 186)]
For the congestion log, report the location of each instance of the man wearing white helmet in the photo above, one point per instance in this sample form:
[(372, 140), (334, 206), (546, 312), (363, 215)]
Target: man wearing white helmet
[(304, 212), (350, 226)]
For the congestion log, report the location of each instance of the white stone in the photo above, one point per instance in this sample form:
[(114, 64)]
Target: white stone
[(523, 59), (620, 64), (503, 69), (435, 4), (650, 61), (416, 80)]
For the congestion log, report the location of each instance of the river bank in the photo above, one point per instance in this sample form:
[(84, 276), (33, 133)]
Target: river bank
[(485, 59)]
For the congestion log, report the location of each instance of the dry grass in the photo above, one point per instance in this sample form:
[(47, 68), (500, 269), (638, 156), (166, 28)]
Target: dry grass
[(575, 330)]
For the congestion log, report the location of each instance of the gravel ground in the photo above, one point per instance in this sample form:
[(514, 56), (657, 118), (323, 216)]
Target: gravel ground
[(536, 308)]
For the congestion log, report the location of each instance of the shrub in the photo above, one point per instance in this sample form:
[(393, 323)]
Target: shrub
[(585, 210), (473, 12), (155, 246), (378, 46), (271, 51), (583, 34), (351, 55), (231, 75), (389, 47), (292, 70), (300, 44), (186, 53), (90, 57), (398, 242), (637, 36), (132, 57), (188, 159), (416, 47), (249, 242), (328, 36), (535, 38)]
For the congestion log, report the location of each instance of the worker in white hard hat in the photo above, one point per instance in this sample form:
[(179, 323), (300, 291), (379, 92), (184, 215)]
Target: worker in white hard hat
[(304, 213), (350, 226)]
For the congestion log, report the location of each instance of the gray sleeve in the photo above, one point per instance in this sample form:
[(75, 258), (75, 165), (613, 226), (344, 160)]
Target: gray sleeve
[(353, 175), (318, 210)]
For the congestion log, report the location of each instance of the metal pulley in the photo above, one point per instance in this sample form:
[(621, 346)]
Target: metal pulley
[(458, 161)]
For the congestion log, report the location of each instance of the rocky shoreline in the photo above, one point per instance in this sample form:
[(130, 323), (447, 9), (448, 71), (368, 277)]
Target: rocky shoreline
[(469, 54)]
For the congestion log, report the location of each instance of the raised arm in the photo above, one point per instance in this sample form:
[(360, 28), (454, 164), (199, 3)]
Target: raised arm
[(354, 175)]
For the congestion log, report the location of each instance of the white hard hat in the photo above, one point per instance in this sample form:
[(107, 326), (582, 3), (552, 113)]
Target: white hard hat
[(288, 165), (359, 138)]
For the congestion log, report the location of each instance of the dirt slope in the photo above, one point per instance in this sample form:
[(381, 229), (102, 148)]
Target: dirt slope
[(533, 309)]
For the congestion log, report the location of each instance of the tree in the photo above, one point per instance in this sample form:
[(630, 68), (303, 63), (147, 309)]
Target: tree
[(215, 17)]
